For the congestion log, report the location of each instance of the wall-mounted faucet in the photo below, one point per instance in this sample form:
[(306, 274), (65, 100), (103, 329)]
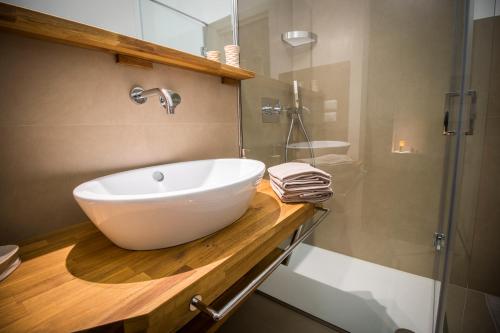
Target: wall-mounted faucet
[(168, 99)]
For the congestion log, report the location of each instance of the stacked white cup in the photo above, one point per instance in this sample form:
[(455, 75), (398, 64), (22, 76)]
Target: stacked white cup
[(232, 55)]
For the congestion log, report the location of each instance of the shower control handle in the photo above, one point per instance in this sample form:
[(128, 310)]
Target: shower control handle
[(447, 111), (446, 122)]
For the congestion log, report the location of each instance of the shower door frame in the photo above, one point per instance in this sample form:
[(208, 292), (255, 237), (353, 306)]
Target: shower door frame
[(449, 226)]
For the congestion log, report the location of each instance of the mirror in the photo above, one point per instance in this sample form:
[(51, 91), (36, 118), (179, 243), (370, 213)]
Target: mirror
[(192, 26)]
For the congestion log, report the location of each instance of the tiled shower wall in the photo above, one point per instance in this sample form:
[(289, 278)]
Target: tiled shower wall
[(66, 118), (485, 255), (387, 65)]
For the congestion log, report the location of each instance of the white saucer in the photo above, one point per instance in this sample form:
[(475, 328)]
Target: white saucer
[(10, 269), (9, 260)]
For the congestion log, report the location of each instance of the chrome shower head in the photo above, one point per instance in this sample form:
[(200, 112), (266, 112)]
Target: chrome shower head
[(298, 38)]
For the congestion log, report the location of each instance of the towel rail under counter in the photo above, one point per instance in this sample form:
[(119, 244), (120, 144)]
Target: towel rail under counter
[(216, 315)]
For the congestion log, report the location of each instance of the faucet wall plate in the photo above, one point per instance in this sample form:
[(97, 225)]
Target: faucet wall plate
[(135, 95)]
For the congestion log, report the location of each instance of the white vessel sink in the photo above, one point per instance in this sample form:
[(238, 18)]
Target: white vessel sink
[(171, 204)]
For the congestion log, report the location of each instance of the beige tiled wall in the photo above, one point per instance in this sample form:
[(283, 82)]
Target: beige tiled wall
[(408, 71), (400, 70), (485, 256), (476, 249), (261, 24), (481, 61), (331, 84), (260, 29), (388, 63), (66, 118)]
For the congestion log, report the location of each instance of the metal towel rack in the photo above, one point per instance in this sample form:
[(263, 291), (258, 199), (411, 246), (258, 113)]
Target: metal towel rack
[(197, 303)]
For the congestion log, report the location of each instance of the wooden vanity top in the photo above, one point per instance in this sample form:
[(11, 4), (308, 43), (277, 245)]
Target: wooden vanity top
[(76, 279)]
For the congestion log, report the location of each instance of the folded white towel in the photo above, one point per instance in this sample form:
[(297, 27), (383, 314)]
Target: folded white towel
[(295, 171), (300, 182), (297, 184), (314, 196)]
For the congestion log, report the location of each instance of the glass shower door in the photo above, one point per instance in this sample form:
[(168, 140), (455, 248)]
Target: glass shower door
[(450, 210), (472, 282), (375, 84)]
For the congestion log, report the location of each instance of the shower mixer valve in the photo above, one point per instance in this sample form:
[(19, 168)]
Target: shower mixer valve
[(271, 109)]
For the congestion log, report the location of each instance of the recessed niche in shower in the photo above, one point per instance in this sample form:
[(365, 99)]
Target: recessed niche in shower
[(401, 146), (407, 136)]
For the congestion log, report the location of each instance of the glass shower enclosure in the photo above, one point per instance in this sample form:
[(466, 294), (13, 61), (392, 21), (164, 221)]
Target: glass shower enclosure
[(377, 93)]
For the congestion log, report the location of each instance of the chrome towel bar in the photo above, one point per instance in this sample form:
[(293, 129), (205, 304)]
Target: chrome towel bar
[(216, 315)]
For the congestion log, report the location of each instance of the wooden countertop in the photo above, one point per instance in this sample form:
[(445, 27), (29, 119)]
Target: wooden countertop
[(76, 279)]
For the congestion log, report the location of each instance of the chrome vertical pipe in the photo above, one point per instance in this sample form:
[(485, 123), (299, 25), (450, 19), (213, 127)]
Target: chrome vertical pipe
[(295, 236), (235, 24)]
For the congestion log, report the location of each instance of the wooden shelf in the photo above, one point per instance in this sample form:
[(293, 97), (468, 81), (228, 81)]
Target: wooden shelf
[(76, 279), (42, 26)]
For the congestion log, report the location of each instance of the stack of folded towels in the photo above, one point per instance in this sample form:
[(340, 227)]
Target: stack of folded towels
[(300, 182)]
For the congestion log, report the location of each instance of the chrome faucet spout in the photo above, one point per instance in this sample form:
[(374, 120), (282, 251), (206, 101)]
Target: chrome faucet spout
[(168, 99), (152, 92)]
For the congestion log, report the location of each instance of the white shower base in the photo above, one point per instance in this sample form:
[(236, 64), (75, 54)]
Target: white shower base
[(356, 295)]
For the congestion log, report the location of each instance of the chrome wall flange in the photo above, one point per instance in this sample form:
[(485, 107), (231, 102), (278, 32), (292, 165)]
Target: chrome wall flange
[(136, 95)]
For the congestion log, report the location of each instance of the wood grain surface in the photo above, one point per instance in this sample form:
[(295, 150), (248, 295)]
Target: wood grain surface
[(76, 279)]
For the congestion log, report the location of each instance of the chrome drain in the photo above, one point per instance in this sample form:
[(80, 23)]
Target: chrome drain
[(158, 176)]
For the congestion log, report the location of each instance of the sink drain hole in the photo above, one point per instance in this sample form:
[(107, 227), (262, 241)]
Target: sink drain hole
[(158, 176)]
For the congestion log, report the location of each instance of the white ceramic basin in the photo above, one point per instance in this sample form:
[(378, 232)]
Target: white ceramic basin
[(194, 199)]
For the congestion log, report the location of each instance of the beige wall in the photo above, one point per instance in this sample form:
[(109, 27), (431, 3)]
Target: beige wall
[(331, 84), (387, 205), (409, 69), (388, 64), (481, 57), (261, 24), (66, 118), (263, 51), (475, 271), (342, 30), (485, 255)]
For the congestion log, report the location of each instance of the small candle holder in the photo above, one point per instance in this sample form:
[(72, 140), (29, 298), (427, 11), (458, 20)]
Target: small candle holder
[(402, 147)]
